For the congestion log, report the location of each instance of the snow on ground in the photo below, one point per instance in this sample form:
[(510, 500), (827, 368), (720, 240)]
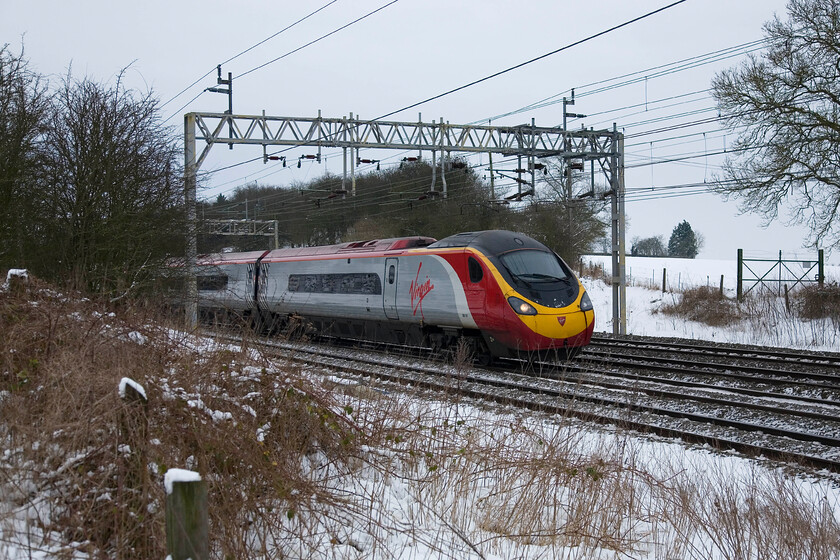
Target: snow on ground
[(645, 297), (483, 510)]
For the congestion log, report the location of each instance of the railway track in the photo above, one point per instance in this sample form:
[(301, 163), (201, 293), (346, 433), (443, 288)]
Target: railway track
[(796, 375), (792, 425), (757, 356)]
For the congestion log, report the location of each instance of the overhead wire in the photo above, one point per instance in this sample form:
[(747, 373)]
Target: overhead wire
[(648, 73), (234, 57), (671, 68), (465, 86), (535, 59), (322, 37)]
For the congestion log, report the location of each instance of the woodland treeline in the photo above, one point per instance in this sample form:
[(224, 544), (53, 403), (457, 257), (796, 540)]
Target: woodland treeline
[(399, 201)]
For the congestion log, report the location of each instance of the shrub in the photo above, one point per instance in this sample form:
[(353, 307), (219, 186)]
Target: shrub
[(704, 305), (813, 302)]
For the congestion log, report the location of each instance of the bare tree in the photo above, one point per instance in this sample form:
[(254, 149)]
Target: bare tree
[(564, 214), (112, 186), (785, 105), (24, 102), (649, 247)]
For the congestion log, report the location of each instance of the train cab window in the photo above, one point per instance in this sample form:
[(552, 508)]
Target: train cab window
[(392, 274), (476, 273)]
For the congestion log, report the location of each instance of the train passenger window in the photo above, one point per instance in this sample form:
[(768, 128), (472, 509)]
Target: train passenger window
[(348, 283), (392, 274), (476, 273), (215, 282)]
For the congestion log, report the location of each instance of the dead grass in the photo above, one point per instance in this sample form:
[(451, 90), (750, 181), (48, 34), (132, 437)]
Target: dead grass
[(299, 466), (705, 305), (814, 302)]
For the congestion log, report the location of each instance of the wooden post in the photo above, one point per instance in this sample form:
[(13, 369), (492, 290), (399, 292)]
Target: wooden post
[(820, 268), (186, 516), (787, 300), (18, 280), (664, 277), (134, 482), (721, 285)]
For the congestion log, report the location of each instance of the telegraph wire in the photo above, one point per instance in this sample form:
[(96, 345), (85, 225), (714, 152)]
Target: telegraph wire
[(648, 104), (673, 67), (234, 57), (183, 91), (521, 64), (307, 16), (184, 106), (496, 74), (677, 66), (333, 32)]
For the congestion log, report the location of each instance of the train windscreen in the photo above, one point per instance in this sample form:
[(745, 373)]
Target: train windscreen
[(535, 266), (541, 276)]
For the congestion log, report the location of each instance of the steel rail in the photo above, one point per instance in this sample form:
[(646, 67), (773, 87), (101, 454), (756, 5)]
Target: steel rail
[(753, 353), (772, 376)]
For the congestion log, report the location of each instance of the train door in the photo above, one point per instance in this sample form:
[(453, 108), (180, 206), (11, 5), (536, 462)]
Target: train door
[(390, 289), (475, 289)]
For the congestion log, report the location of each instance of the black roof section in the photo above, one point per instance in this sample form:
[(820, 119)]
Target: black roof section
[(490, 242)]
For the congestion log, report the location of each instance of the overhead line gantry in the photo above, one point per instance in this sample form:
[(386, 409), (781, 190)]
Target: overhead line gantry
[(604, 147)]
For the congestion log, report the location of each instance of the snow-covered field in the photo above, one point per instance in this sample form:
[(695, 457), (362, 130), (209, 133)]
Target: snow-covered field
[(645, 297), (689, 273)]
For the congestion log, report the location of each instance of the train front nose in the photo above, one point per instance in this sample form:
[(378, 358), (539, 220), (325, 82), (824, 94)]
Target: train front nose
[(567, 328), (547, 327)]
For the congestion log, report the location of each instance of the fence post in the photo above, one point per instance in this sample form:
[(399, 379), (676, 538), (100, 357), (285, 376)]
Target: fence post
[(779, 291), (820, 268), (664, 276), (134, 429), (787, 300), (740, 286), (186, 515), (721, 285)]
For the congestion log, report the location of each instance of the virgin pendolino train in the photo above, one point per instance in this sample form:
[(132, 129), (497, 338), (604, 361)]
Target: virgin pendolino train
[(502, 292)]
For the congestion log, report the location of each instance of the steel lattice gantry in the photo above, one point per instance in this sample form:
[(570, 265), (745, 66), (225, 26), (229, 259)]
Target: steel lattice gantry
[(521, 140), (264, 228), (527, 140)]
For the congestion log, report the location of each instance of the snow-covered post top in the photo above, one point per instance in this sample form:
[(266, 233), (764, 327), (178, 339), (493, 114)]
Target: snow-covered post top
[(16, 280), (132, 391), (186, 515), (179, 475)]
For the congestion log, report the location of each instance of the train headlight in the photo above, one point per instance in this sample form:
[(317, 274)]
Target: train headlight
[(585, 302), (521, 307)]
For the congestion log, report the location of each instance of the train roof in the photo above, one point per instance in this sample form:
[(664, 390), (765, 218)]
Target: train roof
[(229, 258), (353, 247), (490, 242)]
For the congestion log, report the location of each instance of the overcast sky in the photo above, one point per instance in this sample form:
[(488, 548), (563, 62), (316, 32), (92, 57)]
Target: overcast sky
[(411, 50)]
